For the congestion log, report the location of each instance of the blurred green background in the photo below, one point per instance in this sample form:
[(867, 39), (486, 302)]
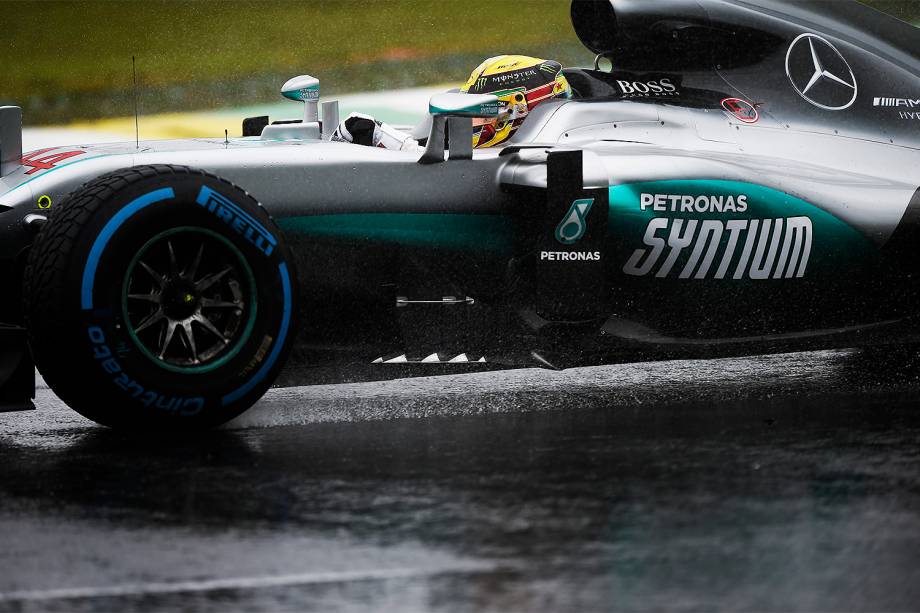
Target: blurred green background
[(64, 60)]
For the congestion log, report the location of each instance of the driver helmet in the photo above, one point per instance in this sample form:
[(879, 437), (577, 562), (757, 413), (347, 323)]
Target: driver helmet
[(521, 83)]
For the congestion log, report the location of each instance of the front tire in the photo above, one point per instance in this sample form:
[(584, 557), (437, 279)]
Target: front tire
[(160, 296)]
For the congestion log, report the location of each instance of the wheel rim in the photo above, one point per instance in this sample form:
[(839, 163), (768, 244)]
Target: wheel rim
[(189, 300)]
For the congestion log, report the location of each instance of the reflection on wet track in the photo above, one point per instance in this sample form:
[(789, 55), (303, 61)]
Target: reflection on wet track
[(776, 482)]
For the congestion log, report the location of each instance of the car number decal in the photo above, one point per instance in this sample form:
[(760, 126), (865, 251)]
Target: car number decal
[(37, 161)]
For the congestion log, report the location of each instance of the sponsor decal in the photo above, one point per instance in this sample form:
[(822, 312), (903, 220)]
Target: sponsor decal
[(238, 219), (647, 89), (508, 65), (310, 93), (570, 230), (38, 161), (727, 231), (740, 109), (570, 256), (257, 359), (186, 407), (509, 78), (909, 115), (820, 74), (685, 203), (765, 248), (897, 102), (575, 222), (492, 109)]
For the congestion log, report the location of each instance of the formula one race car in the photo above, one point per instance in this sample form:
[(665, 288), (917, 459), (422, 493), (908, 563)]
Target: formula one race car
[(744, 178)]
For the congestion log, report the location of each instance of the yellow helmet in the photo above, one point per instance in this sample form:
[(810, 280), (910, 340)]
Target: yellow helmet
[(521, 83)]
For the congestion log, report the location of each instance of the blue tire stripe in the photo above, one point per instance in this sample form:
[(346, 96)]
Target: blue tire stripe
[(92, 262), (279, 343)]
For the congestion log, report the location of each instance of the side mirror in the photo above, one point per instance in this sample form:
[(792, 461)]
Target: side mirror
[(304, 89), (459, 109), (465, 105)]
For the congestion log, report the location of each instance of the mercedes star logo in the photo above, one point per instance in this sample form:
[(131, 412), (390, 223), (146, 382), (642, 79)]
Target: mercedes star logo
[(820, 74)]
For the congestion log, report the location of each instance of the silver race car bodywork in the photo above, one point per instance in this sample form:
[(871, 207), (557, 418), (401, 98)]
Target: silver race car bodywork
[(745, 179)]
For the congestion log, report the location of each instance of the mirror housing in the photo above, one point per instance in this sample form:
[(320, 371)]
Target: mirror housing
[(458, 108), (465, 105), (304, 89)]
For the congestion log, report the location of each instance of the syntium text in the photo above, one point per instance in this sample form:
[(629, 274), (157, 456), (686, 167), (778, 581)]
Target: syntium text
[(723, 249)]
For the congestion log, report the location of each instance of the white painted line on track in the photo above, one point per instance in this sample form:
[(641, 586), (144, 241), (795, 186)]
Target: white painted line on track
[(239, 583)]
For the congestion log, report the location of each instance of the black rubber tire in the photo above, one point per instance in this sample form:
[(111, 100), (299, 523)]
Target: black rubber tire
[(76, 291)]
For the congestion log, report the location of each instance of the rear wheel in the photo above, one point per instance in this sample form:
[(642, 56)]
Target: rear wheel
[(159, 296)]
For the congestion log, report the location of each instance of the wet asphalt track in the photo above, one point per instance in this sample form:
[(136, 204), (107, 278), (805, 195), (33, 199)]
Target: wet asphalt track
[(786, 482)]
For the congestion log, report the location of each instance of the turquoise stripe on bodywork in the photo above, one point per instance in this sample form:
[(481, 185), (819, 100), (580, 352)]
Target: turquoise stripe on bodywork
[(764, 202), (437, 230), (835, 243)]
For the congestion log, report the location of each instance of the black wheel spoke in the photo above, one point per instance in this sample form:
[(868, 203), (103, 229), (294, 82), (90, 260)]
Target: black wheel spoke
[(190, 340), (173, 268), (211, 303), (160, 279), (210, 280), (192, 270), (153, 318), (154, 297), (204, 321), (189, 315), (167, 337)]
